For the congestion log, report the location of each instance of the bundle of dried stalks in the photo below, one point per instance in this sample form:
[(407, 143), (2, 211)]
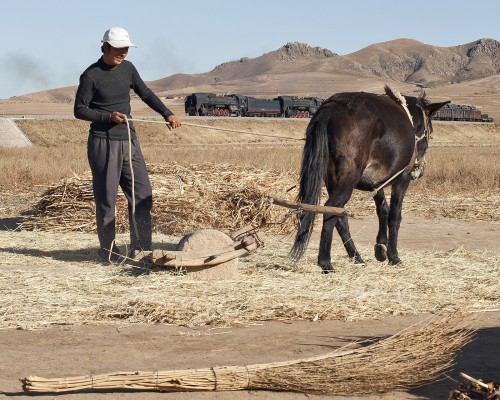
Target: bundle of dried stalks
[(225, 197), (410, 358)]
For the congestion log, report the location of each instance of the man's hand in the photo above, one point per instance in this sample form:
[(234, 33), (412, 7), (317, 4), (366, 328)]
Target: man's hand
[(117, 117), (173, 122)]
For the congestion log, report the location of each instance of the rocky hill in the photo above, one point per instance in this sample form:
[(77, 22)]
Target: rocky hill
[(411, 61)]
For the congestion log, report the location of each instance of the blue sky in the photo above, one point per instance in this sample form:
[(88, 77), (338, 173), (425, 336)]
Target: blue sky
[(47, 44)]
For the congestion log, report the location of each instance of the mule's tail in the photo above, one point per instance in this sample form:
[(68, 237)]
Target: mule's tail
[(312, 174)]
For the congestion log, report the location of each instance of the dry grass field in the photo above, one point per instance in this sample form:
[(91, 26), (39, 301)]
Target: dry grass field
[(99, 319), (461, 156)]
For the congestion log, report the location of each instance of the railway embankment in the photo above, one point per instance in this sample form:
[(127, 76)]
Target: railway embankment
[(11, 135), (217, 131)]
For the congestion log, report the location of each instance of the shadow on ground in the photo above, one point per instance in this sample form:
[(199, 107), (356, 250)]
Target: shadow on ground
[(10, 224), (478, 359), (77, 255)]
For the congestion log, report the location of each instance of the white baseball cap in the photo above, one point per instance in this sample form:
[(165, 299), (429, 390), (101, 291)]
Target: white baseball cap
[(117, 37)]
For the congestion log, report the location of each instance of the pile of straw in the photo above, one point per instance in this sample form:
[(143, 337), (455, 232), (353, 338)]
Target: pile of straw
[(408, 359), (226, 197), (185, 199)]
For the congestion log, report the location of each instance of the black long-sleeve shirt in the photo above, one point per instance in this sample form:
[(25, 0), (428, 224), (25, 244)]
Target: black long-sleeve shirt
[(106, 88)]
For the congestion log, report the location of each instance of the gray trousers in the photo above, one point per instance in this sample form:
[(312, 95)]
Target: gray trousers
[(109, 163)]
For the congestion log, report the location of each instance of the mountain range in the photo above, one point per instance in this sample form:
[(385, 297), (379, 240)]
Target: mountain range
[(403, 60), (466, 74)]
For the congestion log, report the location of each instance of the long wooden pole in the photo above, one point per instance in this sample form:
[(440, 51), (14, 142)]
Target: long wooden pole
[(473, 380), (310, 207)]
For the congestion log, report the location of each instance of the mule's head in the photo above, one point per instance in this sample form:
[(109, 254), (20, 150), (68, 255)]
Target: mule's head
[(421, 111)]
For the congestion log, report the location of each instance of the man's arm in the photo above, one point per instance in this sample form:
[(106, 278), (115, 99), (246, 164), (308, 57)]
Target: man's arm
[(83, 98), (152, 100)]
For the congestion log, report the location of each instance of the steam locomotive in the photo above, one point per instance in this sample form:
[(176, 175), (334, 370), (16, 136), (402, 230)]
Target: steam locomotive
[(235, 105), (459, 112)]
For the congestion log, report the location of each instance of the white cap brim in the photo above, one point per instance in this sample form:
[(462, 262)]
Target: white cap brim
[(120, 44)]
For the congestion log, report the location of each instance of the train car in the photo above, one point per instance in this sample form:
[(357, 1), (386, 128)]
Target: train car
[(262, 108), (210, 104), (299, 107), (192, 103), (460, 112), (255, 107), (470, 113), (486, 118), (235, 105)]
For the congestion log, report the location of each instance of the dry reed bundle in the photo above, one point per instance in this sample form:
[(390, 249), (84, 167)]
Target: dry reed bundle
[(407, 359), (225, 197)]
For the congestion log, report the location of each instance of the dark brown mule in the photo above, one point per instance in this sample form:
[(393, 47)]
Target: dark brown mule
[(362, 141)]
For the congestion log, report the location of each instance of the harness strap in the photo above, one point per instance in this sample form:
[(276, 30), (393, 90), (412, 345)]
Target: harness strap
[(402, 103)]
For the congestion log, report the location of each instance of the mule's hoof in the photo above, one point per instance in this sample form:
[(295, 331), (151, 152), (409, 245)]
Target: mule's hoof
[(327, 267), (380, 252), (328, 271), (395, 261), (359, 261)]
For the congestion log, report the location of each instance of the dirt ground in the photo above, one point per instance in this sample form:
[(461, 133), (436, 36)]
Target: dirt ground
[(75, 350), (69, 350), (60, 351)]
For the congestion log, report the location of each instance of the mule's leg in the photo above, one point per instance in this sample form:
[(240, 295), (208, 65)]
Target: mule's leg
[(337, 198), (382, 214), (342, 226), (394, 222), (325, 244)]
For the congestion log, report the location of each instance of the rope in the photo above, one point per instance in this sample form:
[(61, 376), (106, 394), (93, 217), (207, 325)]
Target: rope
[(374, 191), (425, 135), (402, 103), (134, 222), (215, 378), (219, 129), (127, 121)]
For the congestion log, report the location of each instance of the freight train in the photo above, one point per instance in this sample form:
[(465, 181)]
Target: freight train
[(459, 112), (235, 105)]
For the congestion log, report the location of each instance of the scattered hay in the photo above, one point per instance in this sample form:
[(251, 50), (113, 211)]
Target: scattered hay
[(54, 278), (408, 359), (225, 197), (467, 206)]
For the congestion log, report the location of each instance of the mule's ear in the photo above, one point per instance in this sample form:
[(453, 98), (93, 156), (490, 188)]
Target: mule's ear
[(433, 107)]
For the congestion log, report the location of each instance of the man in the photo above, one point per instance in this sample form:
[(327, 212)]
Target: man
[(103, 97)]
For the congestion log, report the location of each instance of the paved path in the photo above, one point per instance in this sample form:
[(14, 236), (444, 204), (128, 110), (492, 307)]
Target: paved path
[(11, 135)]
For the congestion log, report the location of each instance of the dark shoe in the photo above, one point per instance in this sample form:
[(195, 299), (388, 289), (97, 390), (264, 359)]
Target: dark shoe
[(112, 256), (139, 255)]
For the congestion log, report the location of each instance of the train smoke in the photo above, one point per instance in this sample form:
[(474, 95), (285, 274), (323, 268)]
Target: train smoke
[(22, 73)]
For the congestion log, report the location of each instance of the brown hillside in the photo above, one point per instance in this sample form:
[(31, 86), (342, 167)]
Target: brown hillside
[(408, 60), (287, 61)]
